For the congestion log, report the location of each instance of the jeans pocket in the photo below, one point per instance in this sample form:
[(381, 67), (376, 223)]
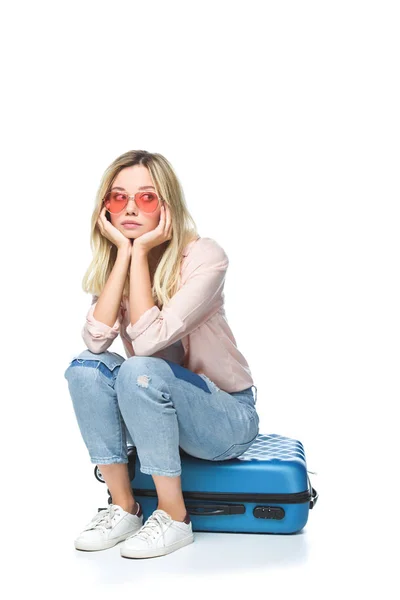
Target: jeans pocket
[(235, 450)]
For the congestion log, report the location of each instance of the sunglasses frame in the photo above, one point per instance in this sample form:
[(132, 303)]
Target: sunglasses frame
[(134, 196)]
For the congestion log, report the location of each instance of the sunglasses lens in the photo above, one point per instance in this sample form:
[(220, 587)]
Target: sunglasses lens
[(147, 202), (115, 202)]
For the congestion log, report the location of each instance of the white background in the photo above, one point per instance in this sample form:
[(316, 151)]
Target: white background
[(281, 120)]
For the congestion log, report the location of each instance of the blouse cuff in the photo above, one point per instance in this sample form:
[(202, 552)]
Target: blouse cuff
[(98, 329), (146, 319)]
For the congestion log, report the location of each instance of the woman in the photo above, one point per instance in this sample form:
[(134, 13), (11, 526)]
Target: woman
[(184, 383)]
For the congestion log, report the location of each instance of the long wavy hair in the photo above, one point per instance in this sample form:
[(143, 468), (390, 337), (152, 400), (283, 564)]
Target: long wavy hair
[(167, 274)]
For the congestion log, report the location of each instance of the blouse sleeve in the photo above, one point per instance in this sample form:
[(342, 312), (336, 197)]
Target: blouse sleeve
[(97, 335)]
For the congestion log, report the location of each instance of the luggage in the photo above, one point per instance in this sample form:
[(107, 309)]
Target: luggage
[(265, 490)]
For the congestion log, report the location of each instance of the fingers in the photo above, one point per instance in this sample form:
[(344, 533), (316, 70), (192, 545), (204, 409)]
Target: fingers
[(102, 214), (166, 214), (163, 219), (101, 219)]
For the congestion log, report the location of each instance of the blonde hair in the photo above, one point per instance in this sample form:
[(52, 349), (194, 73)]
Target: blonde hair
[(167, 274)]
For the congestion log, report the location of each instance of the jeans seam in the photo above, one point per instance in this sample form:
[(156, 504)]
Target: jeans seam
[(238, 444), (108, 459), (155, 471), (122, 447)]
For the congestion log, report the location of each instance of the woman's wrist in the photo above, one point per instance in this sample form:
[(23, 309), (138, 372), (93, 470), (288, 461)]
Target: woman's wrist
[(125, 250)]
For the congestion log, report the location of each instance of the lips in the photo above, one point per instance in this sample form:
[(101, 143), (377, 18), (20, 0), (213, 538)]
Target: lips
[(130, 223)]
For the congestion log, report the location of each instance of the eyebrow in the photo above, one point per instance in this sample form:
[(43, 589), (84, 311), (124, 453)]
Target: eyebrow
[(143, 187)]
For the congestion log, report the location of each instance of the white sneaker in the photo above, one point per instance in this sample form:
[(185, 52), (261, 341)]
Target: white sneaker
[(158, 536), (108, 527)]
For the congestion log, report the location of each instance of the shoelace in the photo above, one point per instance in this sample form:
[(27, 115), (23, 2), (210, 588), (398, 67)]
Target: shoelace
[(104, 518), (155, 521)]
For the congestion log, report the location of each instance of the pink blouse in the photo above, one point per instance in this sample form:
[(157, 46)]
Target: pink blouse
[(191, 329)]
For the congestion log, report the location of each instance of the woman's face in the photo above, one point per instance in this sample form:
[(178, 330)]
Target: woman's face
[(131, 179)]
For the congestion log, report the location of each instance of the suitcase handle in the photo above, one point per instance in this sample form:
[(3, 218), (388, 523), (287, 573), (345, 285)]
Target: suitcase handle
[(215, 509), (314, 498)]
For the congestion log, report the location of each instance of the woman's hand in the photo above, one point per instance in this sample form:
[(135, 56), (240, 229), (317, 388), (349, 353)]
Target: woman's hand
[(110, 232), (157, 236)]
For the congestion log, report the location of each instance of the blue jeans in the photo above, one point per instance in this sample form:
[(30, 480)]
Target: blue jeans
[(157, 406)]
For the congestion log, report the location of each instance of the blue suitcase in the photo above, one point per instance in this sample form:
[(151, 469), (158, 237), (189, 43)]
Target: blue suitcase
[(265, 490)]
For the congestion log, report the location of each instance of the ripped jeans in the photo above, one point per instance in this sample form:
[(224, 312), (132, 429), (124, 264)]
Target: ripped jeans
[(157, 406)]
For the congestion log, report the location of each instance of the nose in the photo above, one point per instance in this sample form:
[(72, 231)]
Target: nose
[(128, 204)]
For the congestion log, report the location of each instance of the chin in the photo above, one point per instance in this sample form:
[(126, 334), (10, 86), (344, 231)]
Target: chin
[(129, 233)]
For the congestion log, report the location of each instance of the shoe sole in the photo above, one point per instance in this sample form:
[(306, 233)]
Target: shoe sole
[(105, 544), (132, 553)]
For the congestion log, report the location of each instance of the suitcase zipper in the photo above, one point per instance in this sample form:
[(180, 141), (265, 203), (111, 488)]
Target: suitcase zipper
[(310, 495), (295, 498)]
